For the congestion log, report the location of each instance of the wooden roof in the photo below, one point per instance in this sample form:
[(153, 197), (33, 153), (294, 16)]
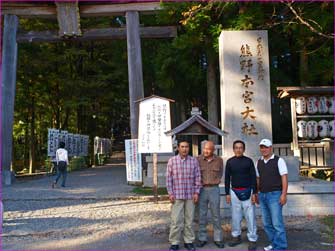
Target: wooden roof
[(154, 96), (196, 125), (294, 91), (47, 9)]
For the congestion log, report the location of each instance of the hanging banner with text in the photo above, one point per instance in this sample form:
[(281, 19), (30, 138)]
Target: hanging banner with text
[(154, 121), (133, 161), (75, 144), (245, 88)]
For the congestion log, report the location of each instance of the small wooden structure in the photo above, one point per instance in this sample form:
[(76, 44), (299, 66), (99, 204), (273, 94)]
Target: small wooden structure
[(196, 126), (313, 153)]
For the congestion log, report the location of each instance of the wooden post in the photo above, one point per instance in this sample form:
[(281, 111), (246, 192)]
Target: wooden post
[(9, 63), (195, 142), (212, 100), (155, 177), (295, 144), (135, 74)]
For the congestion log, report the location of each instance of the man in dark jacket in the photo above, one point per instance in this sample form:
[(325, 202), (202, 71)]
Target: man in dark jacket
[(240, 185)]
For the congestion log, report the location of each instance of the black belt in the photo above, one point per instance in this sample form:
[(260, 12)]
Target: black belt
[(210, 185)]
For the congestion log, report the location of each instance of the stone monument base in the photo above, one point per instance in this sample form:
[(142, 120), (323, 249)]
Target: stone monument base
[(307, 197)]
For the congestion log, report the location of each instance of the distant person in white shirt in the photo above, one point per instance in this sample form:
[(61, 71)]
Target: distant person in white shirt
[(62, 162)]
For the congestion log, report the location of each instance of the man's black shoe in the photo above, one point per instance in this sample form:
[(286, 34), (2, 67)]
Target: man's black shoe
[(235, 241), (189, 246), (252, 245), (219, 244), (174, 247), (200, 244)]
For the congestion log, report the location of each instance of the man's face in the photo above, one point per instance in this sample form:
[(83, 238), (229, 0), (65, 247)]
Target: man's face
[(183, 149), (265, 151), (208, 150), (238, 149)]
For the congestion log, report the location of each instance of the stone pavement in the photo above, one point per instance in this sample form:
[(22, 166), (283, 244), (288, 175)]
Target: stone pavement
[(98, 211)]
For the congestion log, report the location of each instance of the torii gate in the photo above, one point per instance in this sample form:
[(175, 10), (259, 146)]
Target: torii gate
[(68, 15)]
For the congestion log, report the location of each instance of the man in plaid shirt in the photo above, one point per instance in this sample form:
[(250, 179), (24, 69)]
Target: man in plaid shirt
[(183, 185)]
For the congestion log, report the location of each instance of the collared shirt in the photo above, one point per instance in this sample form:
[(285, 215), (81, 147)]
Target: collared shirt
[(183, 177), (211, 170), (282, 168), (61, 155)]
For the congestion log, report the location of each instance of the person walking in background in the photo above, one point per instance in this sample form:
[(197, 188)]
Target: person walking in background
[(211, 169), (62, 161), (272, 184), (240, 186), (183, 186)]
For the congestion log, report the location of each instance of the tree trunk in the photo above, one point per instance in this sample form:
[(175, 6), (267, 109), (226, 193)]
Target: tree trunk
[(26, 144), (182, 111), (32, 138), (66, 119), (58, 108), (303, 67), (80, 119), (212, 100)]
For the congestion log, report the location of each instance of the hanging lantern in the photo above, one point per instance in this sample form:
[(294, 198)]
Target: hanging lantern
[(300, 105), (312, 129), (323, 128), (312, 105), (331, 128), (322, 104), (302, 133)]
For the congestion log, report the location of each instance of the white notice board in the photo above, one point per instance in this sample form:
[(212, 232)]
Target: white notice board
[(154, 121), (133, 161)]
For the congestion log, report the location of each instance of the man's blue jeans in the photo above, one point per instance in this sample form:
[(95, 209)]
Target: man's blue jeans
[(273, 219), (61, 171)]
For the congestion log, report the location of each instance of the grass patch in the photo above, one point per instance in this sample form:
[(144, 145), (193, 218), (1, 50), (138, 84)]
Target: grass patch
[(148, 191), (329, 221)]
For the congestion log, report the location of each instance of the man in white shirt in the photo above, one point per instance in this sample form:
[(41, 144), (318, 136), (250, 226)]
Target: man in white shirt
[(271, 172), (62, 162)]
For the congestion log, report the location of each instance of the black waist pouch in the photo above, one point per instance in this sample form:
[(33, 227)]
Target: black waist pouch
[(243, 194)]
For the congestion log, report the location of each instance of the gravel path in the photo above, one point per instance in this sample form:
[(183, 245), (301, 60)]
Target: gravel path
[(89, 215)]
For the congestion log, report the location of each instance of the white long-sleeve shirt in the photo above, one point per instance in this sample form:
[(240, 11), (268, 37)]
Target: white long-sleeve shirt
[(61, 155)]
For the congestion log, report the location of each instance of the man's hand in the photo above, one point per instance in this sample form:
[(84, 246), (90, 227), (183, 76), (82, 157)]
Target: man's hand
[(195, 197), (282, 199), (254, 199), (172, 198), (228, 199)]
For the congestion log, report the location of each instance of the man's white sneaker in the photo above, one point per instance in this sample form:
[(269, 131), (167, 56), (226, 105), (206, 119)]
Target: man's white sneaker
[(267, 248)]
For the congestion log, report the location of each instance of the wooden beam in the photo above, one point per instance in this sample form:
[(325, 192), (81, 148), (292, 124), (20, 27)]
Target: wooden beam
[(135, 74), (118, 9), (97, 34), (29, 10), (9, 64), (68, 19), (86, 10)]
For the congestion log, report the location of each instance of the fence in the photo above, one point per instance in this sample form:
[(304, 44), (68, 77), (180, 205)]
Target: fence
[(312, 155)]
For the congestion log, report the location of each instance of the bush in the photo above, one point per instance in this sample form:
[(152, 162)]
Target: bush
[(77, 163)]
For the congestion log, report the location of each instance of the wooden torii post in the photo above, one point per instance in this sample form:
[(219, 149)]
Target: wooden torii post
[(69, 14)]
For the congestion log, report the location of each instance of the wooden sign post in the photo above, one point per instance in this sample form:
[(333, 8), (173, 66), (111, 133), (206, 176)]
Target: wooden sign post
[(154, 121)]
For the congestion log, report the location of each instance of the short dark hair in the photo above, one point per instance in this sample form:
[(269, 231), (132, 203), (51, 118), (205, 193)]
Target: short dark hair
[(61, 144), (182, 141), (239, 141)]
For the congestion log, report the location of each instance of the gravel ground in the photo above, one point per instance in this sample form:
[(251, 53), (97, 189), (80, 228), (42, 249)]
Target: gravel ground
[(88, 215)]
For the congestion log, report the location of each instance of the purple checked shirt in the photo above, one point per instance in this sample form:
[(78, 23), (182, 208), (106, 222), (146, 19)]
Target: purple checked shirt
[(183, 177)]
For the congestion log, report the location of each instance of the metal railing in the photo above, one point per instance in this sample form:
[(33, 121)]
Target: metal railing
[(312, 155)]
